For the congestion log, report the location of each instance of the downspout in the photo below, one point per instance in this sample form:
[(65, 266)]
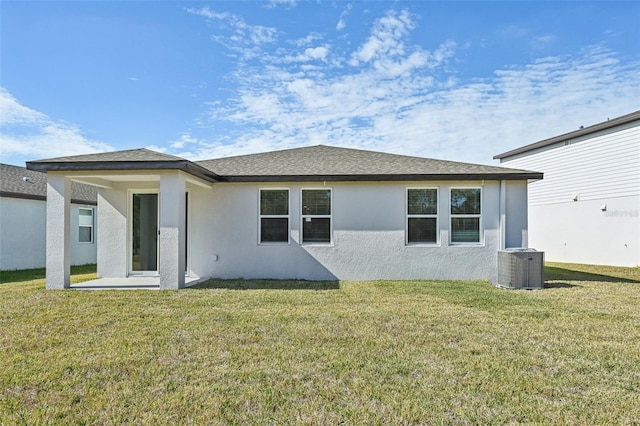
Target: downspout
[(503, 214)]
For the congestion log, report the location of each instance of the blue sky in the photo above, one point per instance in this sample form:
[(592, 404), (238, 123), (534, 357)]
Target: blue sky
[(453, 80)]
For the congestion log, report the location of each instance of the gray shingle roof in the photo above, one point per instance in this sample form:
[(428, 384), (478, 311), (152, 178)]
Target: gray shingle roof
[(132, 159), (343, 164), (127, 156), (315, 163), (618, 121), (13, 185)]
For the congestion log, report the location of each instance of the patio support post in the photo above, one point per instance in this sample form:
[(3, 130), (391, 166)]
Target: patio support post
[(58, 229), (172, 236)]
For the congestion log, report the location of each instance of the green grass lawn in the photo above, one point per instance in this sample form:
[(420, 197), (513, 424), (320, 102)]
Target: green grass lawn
[(274, 352)]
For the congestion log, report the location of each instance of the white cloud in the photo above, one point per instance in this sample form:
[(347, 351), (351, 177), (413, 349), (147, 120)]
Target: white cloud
[(286, 3), (386, 37), (13, 113), (307, 40), (240, 34), (419, 115), (341, 25), (390, 95), (542, 42), (184, 140), (30, 134), (310, 54), (386, 52)]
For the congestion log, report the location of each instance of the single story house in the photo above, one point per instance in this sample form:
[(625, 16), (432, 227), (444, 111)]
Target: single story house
[(587, 208), (23, 220), (314, 213)]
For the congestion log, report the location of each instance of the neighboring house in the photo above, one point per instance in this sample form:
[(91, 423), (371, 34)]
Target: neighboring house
[(23, 219), (587, 208), (315, 213)]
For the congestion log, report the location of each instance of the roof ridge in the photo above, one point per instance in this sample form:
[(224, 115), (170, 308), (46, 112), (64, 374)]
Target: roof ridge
[(323, 146)]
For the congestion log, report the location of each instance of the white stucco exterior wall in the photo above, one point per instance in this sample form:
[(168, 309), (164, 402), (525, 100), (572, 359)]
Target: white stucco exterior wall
[(114, 219), (112, 231), (58, 222), (82, 253), (368, 221), (172, 236), (516, 226), (23, 244), (368, 234)]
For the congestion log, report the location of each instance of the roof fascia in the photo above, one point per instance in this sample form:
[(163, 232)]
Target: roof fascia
[(571, 135), (42, 198), (22, 196), (383, 178), (183, 165)]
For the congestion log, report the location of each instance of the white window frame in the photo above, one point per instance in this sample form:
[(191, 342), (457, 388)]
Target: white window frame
[(452, 216), (303, 216), (270, 216), (92, 226), (426, 216)]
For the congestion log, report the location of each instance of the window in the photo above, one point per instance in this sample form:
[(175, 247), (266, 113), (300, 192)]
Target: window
[(316, 215), (274, 216), (85, 225), (465, 215), (422, 215)]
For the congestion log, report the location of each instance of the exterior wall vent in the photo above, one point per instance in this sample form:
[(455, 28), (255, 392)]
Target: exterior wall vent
[(521, 269)]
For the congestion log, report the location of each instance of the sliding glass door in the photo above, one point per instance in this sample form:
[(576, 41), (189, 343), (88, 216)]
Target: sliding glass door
[(144, 234)]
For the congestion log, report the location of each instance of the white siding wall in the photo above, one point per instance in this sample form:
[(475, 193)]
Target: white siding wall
[(23, 228), (23, 224), (600, 169)]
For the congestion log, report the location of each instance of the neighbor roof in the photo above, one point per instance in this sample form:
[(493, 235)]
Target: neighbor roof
[(327, 163), (18, 182), (618, 121), (133, 159), (311, 164)]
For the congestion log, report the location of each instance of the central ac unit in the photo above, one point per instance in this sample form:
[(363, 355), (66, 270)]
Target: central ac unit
[(521, 268)]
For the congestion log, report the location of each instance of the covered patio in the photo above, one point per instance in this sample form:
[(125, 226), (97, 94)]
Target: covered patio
[(142, 222)]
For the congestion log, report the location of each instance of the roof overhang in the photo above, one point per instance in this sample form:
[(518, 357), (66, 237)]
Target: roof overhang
[(383, 177), (129, 167)]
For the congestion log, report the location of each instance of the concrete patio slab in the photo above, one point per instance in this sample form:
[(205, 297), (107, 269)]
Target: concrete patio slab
[(128, 283)]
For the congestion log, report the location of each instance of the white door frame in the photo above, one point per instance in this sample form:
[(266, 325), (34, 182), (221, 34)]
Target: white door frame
[(130, 223)]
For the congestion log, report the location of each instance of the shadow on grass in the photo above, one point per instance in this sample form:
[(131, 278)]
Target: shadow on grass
[(558, 284), (23, 275), (240, 284), (555, 273)]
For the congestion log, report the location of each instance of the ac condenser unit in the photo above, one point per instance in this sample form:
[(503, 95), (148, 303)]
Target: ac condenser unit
[(521, 268)]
